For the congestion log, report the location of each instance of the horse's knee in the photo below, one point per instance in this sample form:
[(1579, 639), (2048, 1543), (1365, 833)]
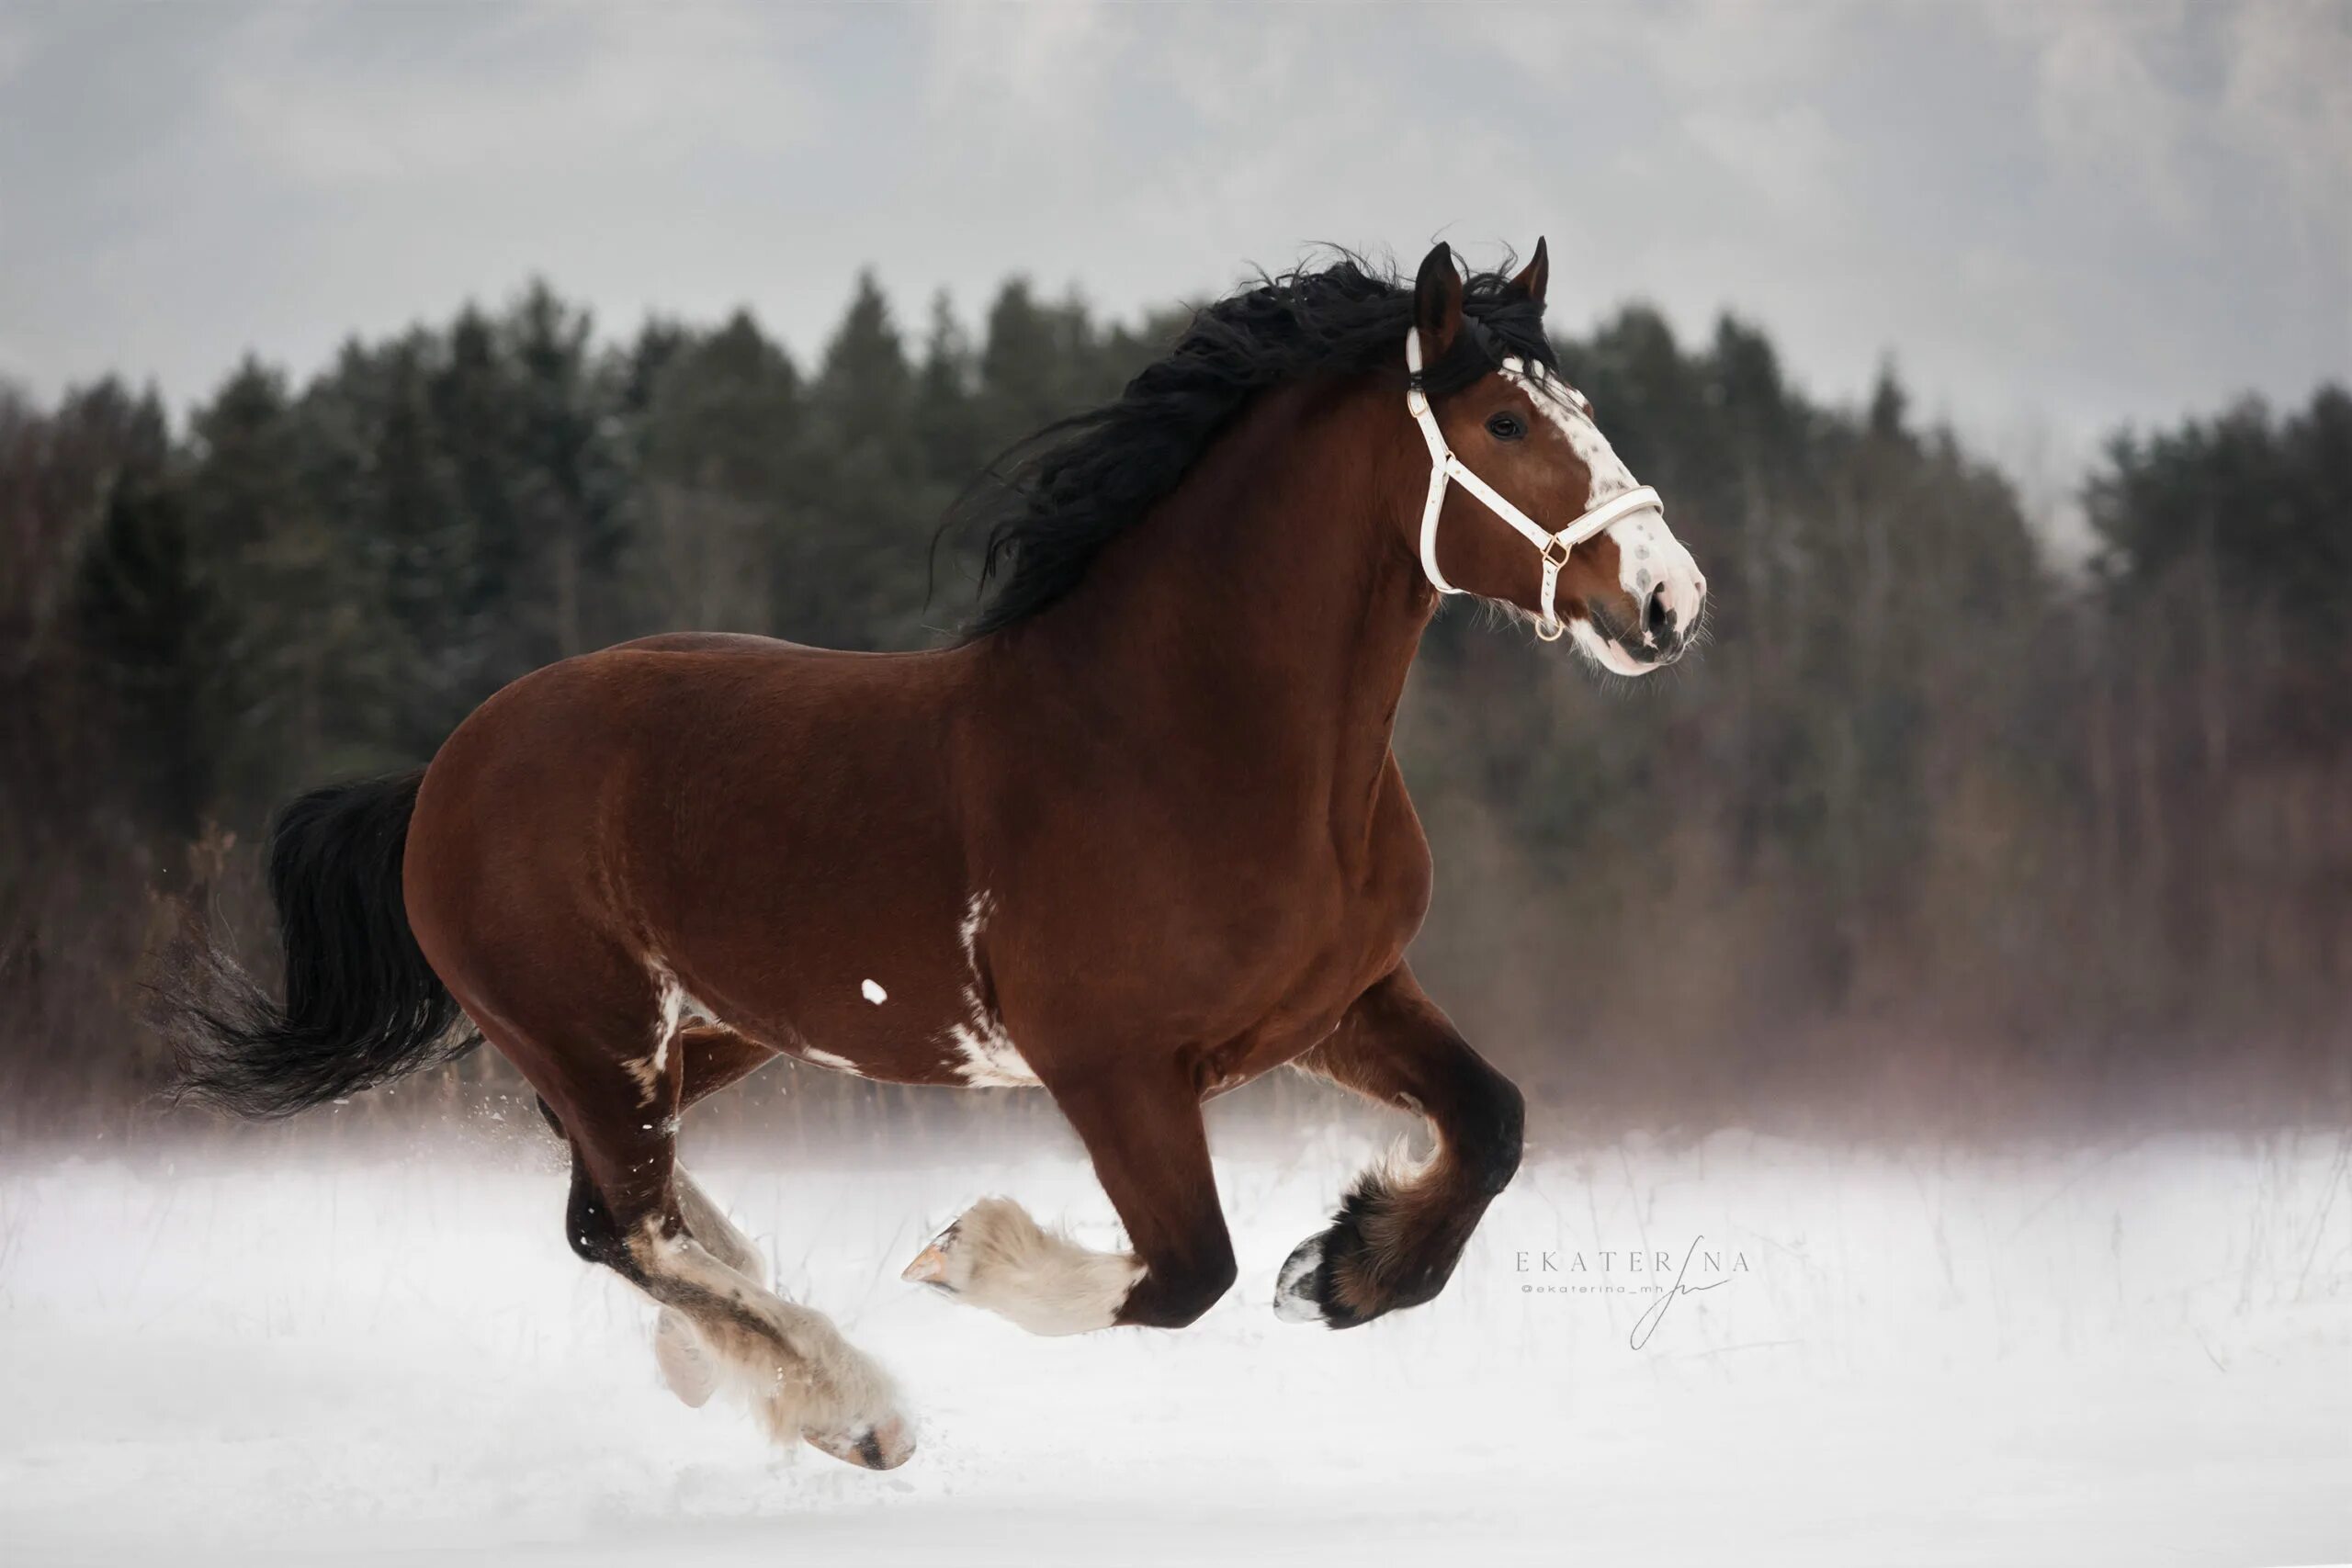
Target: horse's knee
[(1492, 1133), (1174, 1296)]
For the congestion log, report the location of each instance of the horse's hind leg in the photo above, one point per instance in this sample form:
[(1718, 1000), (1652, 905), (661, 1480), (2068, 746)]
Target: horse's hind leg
[(688, 1366), (1397, 1235), (712, 1057), (633, 1210)]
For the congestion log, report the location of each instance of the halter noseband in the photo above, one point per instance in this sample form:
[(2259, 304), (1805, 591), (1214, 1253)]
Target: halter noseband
[(1554, 548)]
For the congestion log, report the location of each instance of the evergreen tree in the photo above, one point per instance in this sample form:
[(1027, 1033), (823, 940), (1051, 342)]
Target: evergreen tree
[(844, 575), (722, 480), (1919, 782)]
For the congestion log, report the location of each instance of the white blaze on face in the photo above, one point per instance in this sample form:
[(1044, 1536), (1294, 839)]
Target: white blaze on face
[(1648, 556)]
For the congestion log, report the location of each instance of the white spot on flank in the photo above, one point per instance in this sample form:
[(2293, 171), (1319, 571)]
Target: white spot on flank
[(874, 993)]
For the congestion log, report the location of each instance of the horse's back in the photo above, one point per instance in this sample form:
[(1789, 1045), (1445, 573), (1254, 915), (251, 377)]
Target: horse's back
[(749, 644)]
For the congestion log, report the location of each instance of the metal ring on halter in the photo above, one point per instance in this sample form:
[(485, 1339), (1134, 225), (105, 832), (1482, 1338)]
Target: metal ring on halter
[(1446, 466)]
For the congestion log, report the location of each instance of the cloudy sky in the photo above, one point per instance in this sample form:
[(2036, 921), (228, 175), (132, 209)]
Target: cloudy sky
[(2054, 217)]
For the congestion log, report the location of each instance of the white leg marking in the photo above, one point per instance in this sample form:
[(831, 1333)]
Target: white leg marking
[(802, 1378), (1394, 1177), (708, 1225), (997, 1257), (1294, 1288), (687, 1363)]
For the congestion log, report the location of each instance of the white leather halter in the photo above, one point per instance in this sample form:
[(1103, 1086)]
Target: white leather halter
[(1554, 548)]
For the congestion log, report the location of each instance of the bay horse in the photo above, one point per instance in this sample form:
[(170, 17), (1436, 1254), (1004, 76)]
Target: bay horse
[(1137, 838)]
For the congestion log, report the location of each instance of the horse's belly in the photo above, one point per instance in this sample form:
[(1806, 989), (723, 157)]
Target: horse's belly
[(882, 1019)]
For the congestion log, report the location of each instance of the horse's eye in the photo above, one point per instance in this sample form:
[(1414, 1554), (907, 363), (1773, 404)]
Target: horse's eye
[(1505, 427)]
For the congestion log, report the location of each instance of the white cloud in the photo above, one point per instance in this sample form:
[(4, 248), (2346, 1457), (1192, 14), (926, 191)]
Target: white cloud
[(2074, 214), (2105, 102), (521, 92), (16, 47), (2287, 101)]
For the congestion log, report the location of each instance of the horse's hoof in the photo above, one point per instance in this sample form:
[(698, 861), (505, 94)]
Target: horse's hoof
[(687, 1365), (885, 1445), (931, 1266), (1295, 1288)]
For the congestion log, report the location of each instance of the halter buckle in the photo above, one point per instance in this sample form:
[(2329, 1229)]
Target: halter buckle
[(1556, 543)]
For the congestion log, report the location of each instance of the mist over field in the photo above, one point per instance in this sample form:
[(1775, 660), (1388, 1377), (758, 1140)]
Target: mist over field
[(2129, 1351)]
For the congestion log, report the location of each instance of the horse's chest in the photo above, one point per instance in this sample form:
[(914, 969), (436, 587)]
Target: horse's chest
[(1342, 928)]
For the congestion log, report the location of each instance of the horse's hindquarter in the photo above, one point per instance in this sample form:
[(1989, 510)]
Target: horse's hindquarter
[(769, 825)]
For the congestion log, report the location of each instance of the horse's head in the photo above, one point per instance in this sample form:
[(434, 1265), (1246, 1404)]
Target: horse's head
[(1528, 506)]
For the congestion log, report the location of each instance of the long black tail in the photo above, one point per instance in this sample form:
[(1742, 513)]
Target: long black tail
[(362, 1006)]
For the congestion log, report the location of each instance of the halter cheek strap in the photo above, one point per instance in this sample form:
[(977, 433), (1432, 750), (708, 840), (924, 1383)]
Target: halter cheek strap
[(1554, 548)]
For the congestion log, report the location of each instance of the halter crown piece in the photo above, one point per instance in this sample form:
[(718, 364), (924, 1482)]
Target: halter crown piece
[(1553, 547)]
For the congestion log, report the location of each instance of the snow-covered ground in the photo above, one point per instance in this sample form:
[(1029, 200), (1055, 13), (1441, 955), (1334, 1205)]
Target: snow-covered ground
[(2130, 1353)]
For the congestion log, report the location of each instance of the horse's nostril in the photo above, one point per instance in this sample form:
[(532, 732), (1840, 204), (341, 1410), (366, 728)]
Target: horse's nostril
[(1655, 617)]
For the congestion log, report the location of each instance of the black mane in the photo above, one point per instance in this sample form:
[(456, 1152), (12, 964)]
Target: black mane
[(1057, 498)]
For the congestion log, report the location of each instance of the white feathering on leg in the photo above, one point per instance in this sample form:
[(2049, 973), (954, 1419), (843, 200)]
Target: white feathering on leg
[(997, 1257)]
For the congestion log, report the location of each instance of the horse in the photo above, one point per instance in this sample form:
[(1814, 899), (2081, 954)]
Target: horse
[(1136, 836)]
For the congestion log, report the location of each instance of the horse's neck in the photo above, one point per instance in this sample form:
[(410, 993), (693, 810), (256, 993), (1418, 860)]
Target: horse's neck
[(1262, 620)]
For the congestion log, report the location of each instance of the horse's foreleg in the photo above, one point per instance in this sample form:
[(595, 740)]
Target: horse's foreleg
[(1397, 1235), (1151, 1155)]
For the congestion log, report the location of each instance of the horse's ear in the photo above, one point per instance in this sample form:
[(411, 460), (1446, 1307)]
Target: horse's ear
[(1437, 302), (1529, 284)]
